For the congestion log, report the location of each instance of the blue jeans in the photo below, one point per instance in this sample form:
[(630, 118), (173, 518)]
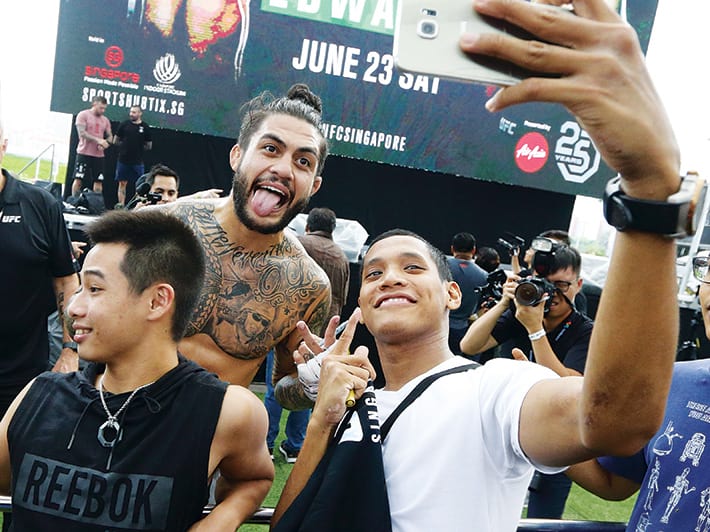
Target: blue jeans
[(296, 422)]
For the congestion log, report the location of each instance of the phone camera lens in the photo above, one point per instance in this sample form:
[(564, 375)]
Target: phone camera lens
[(428, 29)]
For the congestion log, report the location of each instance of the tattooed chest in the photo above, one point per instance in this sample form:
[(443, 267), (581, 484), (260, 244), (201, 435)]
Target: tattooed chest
[(247, 307)]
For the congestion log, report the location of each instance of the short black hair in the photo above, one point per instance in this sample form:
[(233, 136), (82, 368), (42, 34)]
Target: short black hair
[(488, 258), (557, 234), (437, 256), (161, 248), (99, 99), (161, 169), (321, 219), (299, 102), (463, 242), (567, 257)]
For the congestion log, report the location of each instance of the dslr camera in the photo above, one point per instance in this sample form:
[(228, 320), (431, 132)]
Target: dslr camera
[(152, 198), (532, 289), (544, 262), (511, 243), (489, 294)]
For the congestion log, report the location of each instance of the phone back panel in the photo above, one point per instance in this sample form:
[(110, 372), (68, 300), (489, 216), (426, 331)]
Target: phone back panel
[(426, 40)]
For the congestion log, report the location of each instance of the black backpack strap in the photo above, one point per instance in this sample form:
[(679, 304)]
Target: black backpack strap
[(417, 391)]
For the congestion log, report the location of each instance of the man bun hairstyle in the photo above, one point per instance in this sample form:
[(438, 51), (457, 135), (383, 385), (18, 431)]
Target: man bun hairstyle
[(299, 102), (300, 91)]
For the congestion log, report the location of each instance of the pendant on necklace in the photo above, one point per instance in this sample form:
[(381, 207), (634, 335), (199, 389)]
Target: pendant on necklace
[(109, 433)]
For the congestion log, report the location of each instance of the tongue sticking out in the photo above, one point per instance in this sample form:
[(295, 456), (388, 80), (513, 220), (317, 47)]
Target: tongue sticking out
[(264, 202)]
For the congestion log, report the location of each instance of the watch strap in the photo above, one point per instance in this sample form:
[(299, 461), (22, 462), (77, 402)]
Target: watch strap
[(647, 216), (70, 345), (676, 217)]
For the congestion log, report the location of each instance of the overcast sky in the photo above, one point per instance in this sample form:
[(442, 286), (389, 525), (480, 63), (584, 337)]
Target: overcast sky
[(678, 58)]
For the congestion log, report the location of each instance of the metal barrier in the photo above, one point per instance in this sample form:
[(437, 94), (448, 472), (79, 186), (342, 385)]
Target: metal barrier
[(37, 161), (263, 517)]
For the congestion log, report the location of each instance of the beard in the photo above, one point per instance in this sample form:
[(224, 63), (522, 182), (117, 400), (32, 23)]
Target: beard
[(240, 199)]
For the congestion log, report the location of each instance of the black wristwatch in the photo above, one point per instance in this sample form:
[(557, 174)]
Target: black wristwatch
[(676, 217), (70, 345)]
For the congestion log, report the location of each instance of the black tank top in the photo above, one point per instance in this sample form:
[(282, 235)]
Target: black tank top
[(155, 476)]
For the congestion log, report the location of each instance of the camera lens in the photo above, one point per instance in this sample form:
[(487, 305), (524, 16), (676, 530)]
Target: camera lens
[(528, 294), (428, 29)]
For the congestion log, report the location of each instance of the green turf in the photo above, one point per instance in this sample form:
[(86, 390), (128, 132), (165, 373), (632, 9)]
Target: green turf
[(584, 506), (581, 504), (14, 164)]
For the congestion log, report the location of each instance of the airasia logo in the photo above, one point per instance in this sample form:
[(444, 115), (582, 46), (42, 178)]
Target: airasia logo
[(113, 56), (531, 152)]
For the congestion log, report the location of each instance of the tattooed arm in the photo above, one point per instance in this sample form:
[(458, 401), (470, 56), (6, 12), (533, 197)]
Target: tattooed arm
[(288, 390), (64, 287)]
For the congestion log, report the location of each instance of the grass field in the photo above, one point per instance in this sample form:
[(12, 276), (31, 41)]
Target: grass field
[(581, 504), (14, 164)]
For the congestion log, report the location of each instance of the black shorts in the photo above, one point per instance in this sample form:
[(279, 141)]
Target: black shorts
[(88, 169)]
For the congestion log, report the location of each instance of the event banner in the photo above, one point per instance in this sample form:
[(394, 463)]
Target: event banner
[(191, 64)]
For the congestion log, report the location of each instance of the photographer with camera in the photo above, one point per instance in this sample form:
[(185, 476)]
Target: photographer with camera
[(545, 327), (544, 323), (164, 184), (470, 277), (518, 265)]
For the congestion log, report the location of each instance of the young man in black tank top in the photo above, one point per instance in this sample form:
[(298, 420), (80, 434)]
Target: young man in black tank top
[(133, 440)]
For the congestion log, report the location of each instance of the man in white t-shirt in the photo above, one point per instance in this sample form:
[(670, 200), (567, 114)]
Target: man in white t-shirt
[(461, 455)]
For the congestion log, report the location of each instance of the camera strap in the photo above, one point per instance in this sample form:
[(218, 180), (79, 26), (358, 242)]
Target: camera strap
[(570, 303), (417, 391)]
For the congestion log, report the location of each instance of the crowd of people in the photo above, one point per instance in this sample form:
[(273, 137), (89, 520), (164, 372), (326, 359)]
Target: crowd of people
[(176, 307)]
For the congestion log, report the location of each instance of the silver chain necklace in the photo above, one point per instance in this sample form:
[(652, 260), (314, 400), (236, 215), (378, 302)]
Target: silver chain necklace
[(110, 432)]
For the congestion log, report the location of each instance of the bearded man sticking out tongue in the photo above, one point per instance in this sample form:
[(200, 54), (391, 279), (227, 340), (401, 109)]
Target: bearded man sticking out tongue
[(260, 281)]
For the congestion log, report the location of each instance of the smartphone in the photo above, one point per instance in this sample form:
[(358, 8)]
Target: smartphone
[(426, 41)]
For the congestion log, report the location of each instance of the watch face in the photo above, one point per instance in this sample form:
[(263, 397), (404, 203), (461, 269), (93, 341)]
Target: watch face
[(617, 214)]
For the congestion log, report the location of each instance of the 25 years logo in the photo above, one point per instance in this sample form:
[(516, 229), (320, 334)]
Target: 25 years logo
[(576, 155)]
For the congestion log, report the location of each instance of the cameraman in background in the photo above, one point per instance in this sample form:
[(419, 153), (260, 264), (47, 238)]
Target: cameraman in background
[(164, 187), (546, 328), (470, 277), (164, 183), (521, 265), (525, 268)]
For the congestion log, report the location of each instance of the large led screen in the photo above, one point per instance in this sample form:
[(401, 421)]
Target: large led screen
[(191, 63)]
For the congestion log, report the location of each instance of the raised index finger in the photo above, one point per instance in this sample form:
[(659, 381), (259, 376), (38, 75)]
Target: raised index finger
[(342, 344)]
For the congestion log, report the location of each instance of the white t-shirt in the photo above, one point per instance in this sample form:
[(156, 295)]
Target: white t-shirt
[(453, 459)]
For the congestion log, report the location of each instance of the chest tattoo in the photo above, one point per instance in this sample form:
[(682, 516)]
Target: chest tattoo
[(251, 300)]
